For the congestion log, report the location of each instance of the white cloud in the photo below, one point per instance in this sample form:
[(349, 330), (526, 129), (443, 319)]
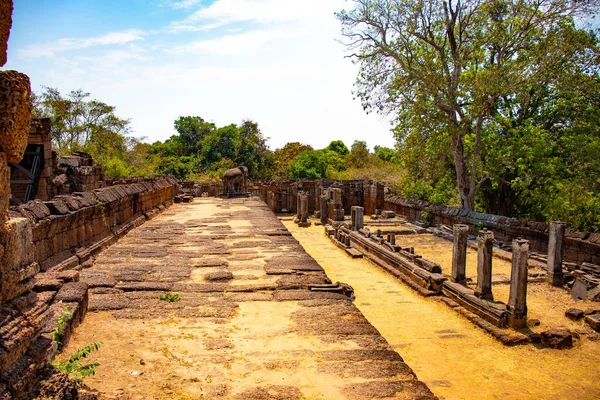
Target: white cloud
[(275, 62), (69, 44), (235, 44), (224, 12), (183, 4)]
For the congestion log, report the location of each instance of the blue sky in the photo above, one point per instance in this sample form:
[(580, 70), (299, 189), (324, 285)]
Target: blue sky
[(276, 62)]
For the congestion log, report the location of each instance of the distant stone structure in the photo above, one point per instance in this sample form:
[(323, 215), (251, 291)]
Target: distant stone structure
[(235, 182)]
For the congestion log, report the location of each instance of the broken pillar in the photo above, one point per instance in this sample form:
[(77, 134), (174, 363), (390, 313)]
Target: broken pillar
[(556, 239), (338, 208), (485, 241), (323, 208), (358, 218), (303, 210), (459, 254), (517, 300)]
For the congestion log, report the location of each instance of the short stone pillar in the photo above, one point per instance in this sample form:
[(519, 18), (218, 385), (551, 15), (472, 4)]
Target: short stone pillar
[(303, 210), (392, 239), (323, 209), (556, 240), (336, 196), (298, 207), (459, 254), (517, 300), (485, 242), (338, 208), (357, 217)]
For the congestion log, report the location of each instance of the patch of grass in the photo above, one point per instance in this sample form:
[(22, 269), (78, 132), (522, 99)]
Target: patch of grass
[(74, 365), (170, 297)]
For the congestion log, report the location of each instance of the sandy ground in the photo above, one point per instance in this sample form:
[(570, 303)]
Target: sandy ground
[(453, 357), (255, 335)]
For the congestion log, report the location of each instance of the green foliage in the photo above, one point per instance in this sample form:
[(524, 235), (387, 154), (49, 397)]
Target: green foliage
[(74, 365), (80, 124), (170, 297), (61, 325), (339, 147), (447, 70), (202, 151), (385, 153), (359, 153), (316, 164), (284, 157)]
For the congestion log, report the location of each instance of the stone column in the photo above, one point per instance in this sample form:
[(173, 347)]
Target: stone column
[(337, 197), (485, 241), (358, 218), (517, 300), (556, 240), (298, 214), (323, 208), (303, 209), (338, 208), (459, 254)]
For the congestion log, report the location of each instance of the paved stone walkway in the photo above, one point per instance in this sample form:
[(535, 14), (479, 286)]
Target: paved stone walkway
[(246, 326)]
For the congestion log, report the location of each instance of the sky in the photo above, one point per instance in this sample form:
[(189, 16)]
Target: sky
[(279, 63)]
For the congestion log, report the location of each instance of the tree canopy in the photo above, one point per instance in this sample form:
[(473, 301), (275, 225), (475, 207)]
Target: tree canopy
[(459, 73)]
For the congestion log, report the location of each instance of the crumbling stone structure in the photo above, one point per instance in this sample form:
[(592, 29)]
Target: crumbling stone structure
[(426, 277), (32, 176), (77, 173), (282, 196), (59, 235), (579, 247)]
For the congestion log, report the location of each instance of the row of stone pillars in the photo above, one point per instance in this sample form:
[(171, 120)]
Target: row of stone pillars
[(517, 302)]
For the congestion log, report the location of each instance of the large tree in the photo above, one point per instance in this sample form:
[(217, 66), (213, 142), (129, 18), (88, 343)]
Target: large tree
[(446, 69), (79, 122)]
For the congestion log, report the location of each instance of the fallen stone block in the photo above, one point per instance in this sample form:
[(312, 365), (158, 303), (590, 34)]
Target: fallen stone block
[(593, 321), (574, 313), (557, 338)]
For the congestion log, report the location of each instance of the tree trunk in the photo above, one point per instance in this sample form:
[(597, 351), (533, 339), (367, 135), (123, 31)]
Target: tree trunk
[(466, 191)]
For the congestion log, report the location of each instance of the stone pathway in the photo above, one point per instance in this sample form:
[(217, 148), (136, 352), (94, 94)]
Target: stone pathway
[(247, 325)]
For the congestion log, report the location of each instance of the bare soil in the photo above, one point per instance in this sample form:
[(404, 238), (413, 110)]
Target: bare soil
[(453, 357)]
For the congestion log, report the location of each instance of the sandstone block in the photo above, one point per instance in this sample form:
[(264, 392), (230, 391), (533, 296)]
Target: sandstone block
[(574, 313), (557, 338), (593, 321), (15, 113), (6, 8)]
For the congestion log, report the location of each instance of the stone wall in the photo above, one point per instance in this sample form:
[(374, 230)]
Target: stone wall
[(74, 225), (579, 246), (282, 196)]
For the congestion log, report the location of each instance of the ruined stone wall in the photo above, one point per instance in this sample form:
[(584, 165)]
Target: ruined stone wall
[(39, 134), (69, 225), (579, 246), (282, 196)]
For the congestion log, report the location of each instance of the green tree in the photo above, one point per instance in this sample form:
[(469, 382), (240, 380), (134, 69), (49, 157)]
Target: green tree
[(284, 157), (192, 130), (77, 121), (359, 154), (339, 147), (314, 164), (253, 151), (447, 66), (385, 153)]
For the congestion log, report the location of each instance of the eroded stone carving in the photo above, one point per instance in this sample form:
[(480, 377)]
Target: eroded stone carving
[(235, 182)]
